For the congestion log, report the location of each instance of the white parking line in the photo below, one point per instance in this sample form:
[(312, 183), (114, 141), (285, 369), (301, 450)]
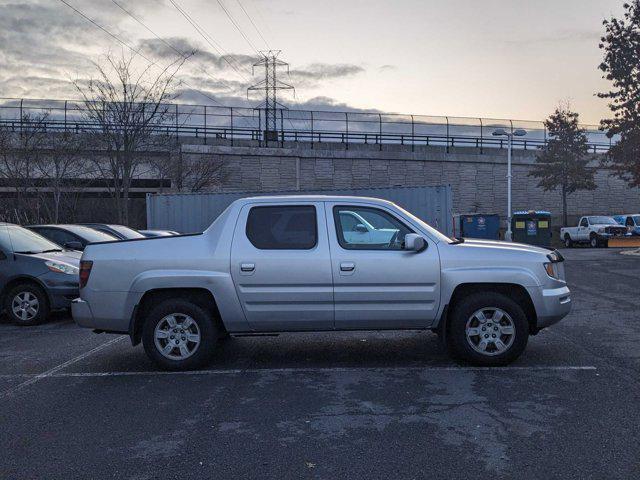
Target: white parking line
[(49, 373), (294, 370)]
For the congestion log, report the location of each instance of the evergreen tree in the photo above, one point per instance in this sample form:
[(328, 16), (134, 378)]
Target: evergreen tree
[(562, 162), (621, 63)]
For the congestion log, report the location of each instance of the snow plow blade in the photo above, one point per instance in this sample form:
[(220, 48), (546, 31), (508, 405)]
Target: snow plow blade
[(624, 242)]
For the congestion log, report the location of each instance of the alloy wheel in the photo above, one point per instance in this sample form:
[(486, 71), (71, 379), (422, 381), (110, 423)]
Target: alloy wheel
[(177, 336), (490, 331), (25, 306)]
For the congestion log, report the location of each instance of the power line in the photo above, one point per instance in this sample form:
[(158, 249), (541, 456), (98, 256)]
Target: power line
[(235, 24), (254, 25), (107, 32), (208, 38), (172, 47), (114, 36), (182, 54), (264, 23)]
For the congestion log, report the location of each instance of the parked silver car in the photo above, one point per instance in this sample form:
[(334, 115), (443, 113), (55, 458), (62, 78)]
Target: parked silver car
[(283, 264)]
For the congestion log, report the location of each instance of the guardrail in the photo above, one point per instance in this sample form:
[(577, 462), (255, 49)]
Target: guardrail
[(241, 123)]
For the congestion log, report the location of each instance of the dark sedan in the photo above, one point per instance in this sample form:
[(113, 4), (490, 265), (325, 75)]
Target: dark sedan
[(75, 237), (158, 233), (121, 232), (36, 275)]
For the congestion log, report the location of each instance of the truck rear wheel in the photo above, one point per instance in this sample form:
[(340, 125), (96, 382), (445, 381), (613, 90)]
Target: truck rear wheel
[(179, 335), (487, 329)]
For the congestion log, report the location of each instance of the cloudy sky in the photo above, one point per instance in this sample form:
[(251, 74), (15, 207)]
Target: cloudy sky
[(489, 58)]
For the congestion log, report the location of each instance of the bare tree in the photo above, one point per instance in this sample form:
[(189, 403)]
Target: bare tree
[(63, 170), (194, 173), (129, 110), (20, 151)]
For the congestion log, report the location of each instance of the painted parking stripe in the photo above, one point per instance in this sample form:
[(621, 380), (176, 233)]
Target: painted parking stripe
[(320, 370), (49, 373)]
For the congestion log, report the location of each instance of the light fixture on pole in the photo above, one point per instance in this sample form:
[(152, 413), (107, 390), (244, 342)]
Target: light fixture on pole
[(501, 132)]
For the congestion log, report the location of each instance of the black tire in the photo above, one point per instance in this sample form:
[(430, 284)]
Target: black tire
[(42, 308), (206, 325), (568, 243), (459, 346), (593, 241)]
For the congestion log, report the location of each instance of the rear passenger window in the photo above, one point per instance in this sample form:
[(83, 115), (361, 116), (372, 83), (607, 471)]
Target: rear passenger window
[(282, 227)]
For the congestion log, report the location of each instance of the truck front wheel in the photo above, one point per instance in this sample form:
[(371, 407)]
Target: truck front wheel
[(593, 241), (179, 335), (487, 329), (568, 243)]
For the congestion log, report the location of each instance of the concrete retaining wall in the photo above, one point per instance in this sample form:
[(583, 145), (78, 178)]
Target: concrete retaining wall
[(478, 180)]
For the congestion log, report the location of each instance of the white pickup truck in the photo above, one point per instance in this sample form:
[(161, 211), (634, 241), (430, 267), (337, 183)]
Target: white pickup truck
[(595, 230), (306, 263)]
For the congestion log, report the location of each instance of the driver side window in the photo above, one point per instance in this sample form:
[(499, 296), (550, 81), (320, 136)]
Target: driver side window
[(383, 231), (584, 223)]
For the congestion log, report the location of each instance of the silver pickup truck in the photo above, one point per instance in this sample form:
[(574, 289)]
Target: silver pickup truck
[(294, 264)]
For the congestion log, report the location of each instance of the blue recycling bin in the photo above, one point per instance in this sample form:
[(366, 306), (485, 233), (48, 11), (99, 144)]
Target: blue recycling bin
[(478, 225)]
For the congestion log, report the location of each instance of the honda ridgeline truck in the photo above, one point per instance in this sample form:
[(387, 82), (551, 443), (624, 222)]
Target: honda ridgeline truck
[(305, 264)]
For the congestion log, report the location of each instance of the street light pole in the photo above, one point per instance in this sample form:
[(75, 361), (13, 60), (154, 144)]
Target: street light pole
[(508, 235)]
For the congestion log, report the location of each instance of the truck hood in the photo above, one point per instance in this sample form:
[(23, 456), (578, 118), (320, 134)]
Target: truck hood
[(498, 246)]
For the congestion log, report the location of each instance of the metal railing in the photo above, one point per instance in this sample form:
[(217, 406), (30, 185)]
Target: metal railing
[(311, 126)]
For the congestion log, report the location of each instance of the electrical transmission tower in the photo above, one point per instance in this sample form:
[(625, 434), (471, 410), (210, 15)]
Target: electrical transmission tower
[(270, 85)]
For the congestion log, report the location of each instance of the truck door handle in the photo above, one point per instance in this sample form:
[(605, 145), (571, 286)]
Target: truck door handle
[(247, 267), (347, 266)]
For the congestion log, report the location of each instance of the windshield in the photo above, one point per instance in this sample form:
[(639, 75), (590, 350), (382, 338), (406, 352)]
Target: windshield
[(636, 220), (126, 232), (90, 234), (602, 221), (20, 240), (437, 234)]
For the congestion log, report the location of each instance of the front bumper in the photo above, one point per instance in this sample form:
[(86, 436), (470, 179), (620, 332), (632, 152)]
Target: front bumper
[(61, 289), (552, 305)]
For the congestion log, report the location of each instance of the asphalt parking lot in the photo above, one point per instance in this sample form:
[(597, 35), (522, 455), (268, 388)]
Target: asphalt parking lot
[(357, 405)]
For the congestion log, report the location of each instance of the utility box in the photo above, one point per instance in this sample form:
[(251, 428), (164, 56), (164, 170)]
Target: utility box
[(532, 227), (477, 225), (271, 135)]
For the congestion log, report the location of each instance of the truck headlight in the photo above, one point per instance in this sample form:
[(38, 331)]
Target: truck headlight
[(60, 267), (552, 270)]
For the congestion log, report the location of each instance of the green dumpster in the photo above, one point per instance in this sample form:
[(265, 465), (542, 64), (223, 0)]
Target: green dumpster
[(532, 227)]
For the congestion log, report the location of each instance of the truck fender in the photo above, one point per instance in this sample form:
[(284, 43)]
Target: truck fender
[(452, 278), (219, 284)]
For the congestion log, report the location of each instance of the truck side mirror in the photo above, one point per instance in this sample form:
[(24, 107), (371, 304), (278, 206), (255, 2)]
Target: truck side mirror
[(414, 242), (361, 228)]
